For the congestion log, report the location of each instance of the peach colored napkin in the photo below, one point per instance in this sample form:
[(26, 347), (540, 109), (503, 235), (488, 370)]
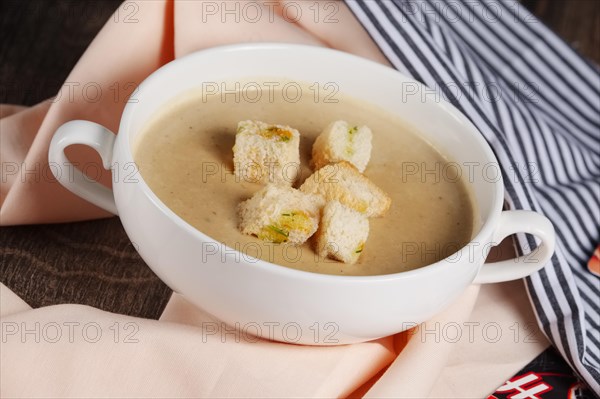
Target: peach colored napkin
[(182, 355), (79, 351), (120, 57)]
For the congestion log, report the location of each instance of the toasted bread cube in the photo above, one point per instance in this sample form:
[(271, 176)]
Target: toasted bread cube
[(342, 233), (265, 153), (342, 142), (279, 213), (342, 182)]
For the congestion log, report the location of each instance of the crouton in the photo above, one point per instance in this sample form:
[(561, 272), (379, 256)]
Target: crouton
[(342, 233), (279, 213), (342, 182), (342, 142), (266, 153)]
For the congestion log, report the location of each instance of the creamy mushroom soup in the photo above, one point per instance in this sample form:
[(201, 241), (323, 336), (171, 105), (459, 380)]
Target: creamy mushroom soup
[(185, 156)]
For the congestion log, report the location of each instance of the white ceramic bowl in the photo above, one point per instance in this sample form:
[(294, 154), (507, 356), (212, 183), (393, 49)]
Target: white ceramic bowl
[(274, 301)]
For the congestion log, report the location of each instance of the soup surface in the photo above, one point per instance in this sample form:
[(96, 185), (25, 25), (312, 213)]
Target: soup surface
[(185, 155)]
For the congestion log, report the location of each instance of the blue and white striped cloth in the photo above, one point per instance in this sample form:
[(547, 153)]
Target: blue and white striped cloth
[(538, 104)]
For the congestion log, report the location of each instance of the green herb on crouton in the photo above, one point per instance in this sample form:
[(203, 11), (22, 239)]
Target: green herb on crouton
[(343, 227), (263, 215), (272, 233), (340, 141), (290, 221), (297, 220), (275, 131), (350, 146), (262, 151)]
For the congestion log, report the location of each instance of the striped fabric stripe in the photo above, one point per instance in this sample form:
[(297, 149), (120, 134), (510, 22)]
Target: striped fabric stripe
[(543, 122)]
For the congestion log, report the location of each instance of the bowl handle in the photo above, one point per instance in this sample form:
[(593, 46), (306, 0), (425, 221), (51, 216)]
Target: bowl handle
[(95, 136), (512, 222)]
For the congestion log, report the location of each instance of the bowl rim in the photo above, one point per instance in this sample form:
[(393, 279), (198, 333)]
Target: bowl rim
[(486, 229)]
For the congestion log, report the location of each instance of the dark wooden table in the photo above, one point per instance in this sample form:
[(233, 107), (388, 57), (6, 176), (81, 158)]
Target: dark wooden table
[(93, 262)]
